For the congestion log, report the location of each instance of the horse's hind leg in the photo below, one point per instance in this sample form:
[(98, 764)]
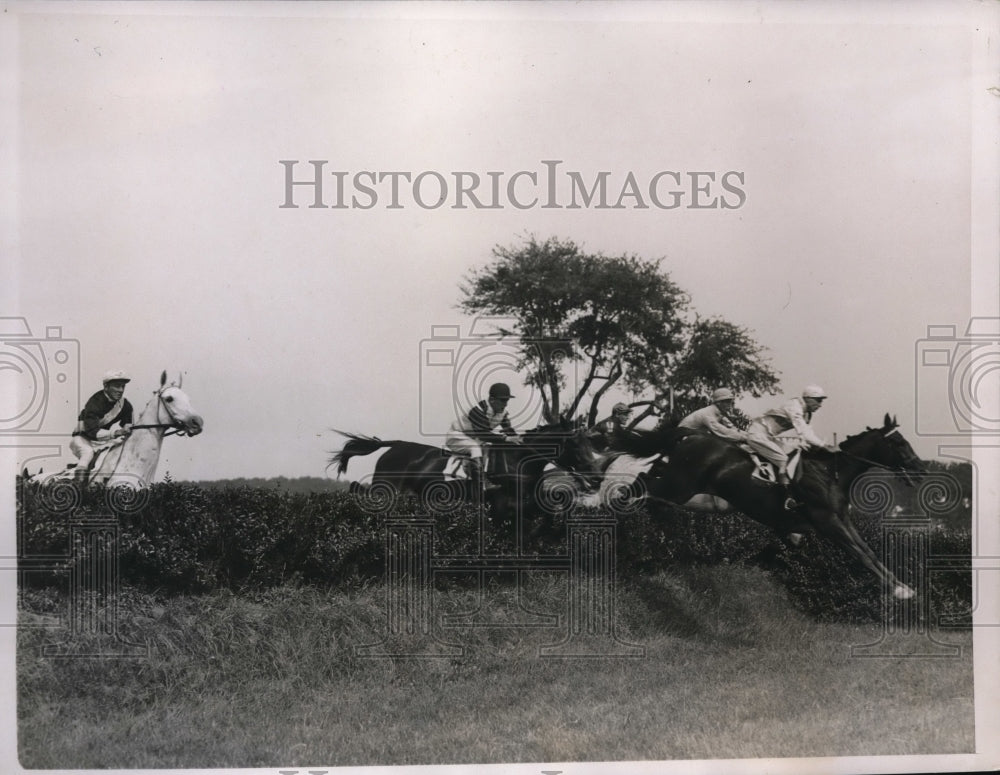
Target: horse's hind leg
[(846, 535)]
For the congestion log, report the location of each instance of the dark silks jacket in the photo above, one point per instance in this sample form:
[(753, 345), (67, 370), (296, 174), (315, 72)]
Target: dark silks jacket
[(480, 422), (100, 413)]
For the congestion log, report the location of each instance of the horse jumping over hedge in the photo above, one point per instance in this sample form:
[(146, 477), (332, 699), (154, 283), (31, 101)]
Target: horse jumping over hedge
[(699, 464), (132, 463), (519, 469)]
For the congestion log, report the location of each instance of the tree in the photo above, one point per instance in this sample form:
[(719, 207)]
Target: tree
[(621, 319), (717, 353)]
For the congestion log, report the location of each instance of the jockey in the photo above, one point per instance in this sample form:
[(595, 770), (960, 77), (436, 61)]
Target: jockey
[(102, 410), (472, 430), (778, 431), (714, 418), (613, 427)]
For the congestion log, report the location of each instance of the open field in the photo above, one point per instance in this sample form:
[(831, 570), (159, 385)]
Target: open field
[(731, 670)]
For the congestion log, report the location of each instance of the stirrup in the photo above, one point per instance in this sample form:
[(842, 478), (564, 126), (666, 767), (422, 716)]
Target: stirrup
[(791, 504)]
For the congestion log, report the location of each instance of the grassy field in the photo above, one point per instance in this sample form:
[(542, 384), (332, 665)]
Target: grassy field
[(730, 670)]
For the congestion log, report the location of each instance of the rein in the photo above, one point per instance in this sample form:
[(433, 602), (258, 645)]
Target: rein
[(174, 426), (871, 462)]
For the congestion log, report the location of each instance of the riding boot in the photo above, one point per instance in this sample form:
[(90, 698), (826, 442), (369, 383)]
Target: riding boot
[(488, 484), (790, 503), (477, 478), (80, 475)]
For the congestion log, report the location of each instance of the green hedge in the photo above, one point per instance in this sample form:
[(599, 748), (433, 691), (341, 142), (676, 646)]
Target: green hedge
[(182, 538)]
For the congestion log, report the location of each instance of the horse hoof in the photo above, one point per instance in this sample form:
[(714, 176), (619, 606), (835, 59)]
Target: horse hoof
[(794, 538), (903, 592)]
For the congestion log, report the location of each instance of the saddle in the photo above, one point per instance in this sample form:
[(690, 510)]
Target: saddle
[(456, 467), (764, 470), (99, 454)]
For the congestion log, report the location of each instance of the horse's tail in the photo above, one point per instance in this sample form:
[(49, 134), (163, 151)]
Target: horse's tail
[(358, 445)]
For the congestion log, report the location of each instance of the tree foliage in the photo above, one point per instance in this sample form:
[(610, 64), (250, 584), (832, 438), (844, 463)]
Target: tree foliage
[(586, 323)]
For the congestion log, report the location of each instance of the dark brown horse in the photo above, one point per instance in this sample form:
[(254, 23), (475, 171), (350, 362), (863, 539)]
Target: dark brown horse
[(519, 469), (698, 463)]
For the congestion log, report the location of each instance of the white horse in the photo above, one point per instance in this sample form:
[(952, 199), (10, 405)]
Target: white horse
[(132, 462)]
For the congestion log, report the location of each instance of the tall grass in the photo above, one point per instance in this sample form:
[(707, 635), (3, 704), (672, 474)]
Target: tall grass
[(265, 678), (254, 602)]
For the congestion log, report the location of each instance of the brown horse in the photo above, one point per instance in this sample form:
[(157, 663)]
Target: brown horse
[(519, 469), (698, 463)]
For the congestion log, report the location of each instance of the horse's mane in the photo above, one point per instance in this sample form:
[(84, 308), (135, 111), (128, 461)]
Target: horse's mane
[(564, 429), (641, 442), (888, 424), (820, 455), (855, 436)]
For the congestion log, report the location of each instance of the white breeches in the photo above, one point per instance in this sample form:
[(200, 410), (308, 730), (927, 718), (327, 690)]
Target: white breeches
[(772, 448), (461, 444)]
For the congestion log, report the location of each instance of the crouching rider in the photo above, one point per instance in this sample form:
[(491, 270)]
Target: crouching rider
[(780, 431), (93, 430), (715, 418), (476, 428), (608, 433)]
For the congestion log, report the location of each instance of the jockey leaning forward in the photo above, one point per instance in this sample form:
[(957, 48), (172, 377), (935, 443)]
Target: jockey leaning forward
[(715, 418), (607, 432), (779, 431), (103, 409), (470, 432)]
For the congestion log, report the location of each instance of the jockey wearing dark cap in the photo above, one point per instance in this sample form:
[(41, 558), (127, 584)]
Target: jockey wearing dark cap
[(605, 433), (477, 427)]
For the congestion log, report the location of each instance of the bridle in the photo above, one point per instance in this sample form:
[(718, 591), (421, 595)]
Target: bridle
[(175, 426), (899, 469)]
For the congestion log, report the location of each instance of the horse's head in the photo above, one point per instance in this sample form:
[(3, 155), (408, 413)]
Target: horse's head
[(575, 450), (886, 447), (174, 408)]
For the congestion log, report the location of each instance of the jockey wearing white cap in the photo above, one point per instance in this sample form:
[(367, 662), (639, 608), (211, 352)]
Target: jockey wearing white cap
[(714, 418), (102, 410), (778, 431)]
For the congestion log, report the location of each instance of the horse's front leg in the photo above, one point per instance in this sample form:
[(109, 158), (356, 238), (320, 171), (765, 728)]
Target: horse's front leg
[(900, 590), (842, 532)]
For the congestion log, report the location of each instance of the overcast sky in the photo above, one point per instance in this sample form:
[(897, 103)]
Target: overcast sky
[(145, 217), (141, 225)]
